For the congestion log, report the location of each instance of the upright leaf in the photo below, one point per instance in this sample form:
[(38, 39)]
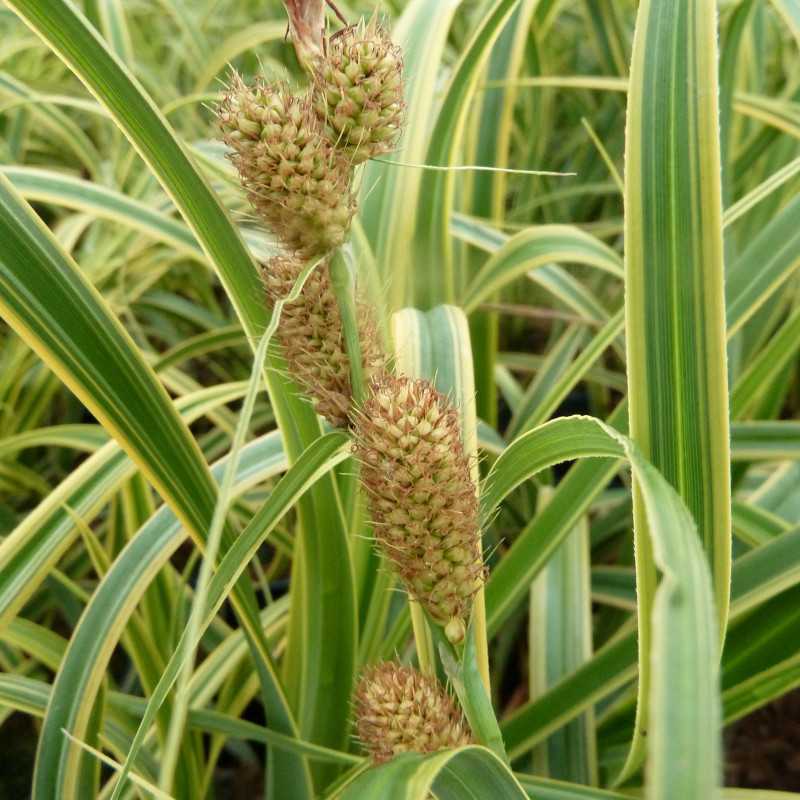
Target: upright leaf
[(435, 279), (675, 303), (422, 33), (493, 122), (683, 737)]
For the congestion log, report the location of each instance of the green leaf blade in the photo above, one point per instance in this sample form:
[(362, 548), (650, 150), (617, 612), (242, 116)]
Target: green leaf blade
[(675, 301)]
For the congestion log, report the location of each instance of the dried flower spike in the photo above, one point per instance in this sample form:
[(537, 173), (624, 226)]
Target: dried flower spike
[(310, 332), (421, 495), (400, 710), (299, 184), (358, 91), (307, 24)]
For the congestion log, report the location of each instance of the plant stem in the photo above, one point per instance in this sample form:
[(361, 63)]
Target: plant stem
[(422, 638), (481, 638), (344, 286)]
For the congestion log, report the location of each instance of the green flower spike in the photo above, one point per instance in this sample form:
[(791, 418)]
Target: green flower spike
[(310, 333), (298, 183), (421, 495), (358, 91), (400, 710)]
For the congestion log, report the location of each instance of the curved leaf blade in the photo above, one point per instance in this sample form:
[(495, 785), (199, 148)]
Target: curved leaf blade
[(537, 247), (470, 773), (683, 652)]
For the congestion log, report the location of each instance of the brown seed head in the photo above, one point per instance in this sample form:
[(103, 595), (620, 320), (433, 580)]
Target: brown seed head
[(310, 332), (400, 710), (421, 495), (358, 91), (299, 184)]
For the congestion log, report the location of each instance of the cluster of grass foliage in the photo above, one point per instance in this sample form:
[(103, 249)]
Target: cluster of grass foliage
[(189, 587)]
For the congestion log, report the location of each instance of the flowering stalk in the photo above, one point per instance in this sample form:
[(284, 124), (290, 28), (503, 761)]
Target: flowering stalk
[(344, 287), (296, 156)]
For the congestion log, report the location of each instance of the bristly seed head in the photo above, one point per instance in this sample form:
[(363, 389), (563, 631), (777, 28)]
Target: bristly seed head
[(400, 710), (421, 495), (297, 181), (358, 91), (310, 332)]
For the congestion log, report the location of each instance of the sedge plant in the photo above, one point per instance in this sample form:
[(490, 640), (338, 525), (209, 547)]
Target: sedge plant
[(399, 399)]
